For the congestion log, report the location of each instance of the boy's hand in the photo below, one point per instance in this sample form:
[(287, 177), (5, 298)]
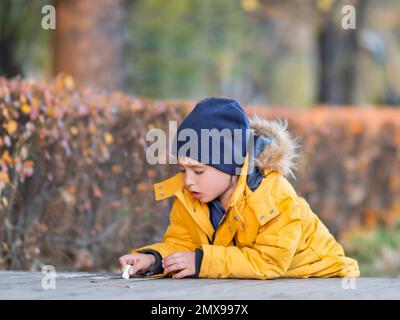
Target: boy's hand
[(139, 262), (183, 261)]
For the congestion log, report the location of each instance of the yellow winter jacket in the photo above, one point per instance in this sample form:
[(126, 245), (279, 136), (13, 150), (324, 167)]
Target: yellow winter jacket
[(267, 233)]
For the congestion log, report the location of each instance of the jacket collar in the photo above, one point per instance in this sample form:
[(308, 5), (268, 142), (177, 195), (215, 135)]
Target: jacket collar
[(174, 186)]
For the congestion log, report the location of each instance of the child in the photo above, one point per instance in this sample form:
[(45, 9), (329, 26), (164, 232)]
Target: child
[(228, 223)]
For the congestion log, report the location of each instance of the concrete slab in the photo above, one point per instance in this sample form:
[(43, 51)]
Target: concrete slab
[(83, 285)]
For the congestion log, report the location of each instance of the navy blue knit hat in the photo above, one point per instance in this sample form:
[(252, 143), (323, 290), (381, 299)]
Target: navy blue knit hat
[(226, 125)]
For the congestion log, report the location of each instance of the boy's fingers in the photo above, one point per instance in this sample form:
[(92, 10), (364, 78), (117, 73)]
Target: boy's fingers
[(174, 255), (175, 266), (123, 263), (168, 262), (134, 269), (181, 274)]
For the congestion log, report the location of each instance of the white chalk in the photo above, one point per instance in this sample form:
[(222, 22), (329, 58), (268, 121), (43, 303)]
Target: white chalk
[(125, 274)]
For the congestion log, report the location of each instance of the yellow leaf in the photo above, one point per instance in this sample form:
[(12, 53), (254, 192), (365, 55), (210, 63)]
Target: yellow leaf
[(6, 157), (4, 201), (35, 101), (4, 176), (74, 130), (26, 108), (11, 126), (6, 115), (5, 246), (69, 82), (108, 138), (22, 99), (92, 128), (50, 112), (249, 5), (325, 5)]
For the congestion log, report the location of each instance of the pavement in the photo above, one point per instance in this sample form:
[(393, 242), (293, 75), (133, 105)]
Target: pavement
[(104, 286)]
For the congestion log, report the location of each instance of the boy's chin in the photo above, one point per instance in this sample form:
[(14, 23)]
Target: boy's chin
[(207, 199), (204, 199)]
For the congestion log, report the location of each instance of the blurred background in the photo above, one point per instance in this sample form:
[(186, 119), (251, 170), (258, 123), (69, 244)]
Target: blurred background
[(255, 51), (76, 103)]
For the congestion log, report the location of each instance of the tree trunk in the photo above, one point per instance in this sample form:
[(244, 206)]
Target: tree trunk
[(9, 65), (89, 41), (338, 55)]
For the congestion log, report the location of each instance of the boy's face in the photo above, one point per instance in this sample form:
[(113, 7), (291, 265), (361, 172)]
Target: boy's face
[(205, 182)]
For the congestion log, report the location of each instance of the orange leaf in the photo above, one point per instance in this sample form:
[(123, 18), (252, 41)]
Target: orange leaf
[(355, 127), (27, 169), (108, 138), (141, 187), (151, 173), (11, 126), (6, 157), (126, 191), (96, 190), (116, 168), (4, 176), (28, 164), (92, 128)]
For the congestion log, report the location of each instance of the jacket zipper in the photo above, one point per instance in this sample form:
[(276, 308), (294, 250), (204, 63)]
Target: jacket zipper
[(220, 222)]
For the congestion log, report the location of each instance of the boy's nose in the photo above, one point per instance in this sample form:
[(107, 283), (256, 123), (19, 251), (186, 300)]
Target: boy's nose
[(188, 181)]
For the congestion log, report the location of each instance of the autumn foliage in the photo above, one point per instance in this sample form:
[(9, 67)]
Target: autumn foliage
[(76, 190)]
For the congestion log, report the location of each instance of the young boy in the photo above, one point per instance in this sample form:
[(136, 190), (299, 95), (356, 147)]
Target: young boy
[(229, 222)]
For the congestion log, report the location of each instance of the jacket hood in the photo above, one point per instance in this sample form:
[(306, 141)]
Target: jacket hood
[(274, 150), (278, 150)]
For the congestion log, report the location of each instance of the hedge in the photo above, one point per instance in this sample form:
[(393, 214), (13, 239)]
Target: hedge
[(76, 190)]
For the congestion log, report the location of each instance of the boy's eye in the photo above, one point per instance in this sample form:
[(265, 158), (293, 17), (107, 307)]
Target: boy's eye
[(196, 172)]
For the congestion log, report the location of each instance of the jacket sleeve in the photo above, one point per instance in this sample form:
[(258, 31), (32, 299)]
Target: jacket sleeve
[(269, 257), (198, 260), (176, 238), (157, 267)]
